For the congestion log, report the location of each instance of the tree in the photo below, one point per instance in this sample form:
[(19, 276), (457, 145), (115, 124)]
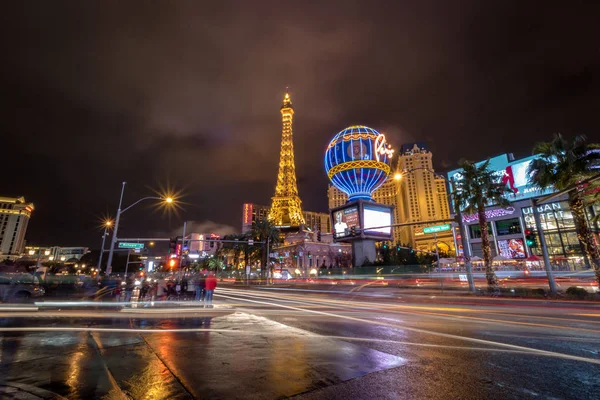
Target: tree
[(477, 189), (563, 164), (265, 231), (226, 248)]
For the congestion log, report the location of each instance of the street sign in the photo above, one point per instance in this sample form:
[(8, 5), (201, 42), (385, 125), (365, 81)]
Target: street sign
[(250, 242), (126, 245), (436, 228)]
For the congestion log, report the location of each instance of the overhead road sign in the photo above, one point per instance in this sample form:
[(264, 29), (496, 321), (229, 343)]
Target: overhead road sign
[(127, 245)]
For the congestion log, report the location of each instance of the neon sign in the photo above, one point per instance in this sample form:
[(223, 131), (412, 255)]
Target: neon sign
[(357, 161), (247, 213), (382, 147), (489, 214)]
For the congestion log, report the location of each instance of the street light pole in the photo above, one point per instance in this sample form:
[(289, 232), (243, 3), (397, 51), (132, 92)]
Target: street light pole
[(540, 232), (106, 225), (114, 235)]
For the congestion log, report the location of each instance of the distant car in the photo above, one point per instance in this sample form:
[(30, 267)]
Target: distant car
[(19, 290)]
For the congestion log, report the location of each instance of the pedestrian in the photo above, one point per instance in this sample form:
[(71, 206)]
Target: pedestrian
[(129, 285), (200, 283), (118, 291), (144, 290), (209, 286)]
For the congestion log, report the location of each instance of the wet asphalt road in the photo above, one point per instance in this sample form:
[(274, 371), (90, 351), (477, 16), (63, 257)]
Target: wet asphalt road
[(270, 344)]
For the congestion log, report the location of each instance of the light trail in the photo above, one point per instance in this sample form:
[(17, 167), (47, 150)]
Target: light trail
[(422, 310), (433, 333)]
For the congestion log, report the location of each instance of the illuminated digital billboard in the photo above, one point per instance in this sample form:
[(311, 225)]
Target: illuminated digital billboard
[(376, 217), (344, 220), (511, 173), (370, 221), (512, 248)]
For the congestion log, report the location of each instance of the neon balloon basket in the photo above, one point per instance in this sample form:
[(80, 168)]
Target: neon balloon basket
[(357, 161)]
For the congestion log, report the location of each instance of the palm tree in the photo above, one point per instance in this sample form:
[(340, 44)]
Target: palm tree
[(226, 248), (265, 231), (563, 164), (477, 189)]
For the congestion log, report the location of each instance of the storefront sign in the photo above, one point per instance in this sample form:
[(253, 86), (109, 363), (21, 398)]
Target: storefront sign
[(548, 214), (490, 214)]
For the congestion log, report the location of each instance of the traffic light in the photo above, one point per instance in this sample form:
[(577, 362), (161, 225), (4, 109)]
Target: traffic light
[(353, 231), (172, 263), (295, 255), (172, 245), (212, 244), (530, 238), (397, 247), (384, 245), (309, 255), (318, 236)]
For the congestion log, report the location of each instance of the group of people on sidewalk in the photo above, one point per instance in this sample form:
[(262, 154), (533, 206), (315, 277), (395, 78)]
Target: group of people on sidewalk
[(205, 284)]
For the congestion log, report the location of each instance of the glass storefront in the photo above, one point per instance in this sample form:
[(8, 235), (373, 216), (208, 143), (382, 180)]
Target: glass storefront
[(564, 249)]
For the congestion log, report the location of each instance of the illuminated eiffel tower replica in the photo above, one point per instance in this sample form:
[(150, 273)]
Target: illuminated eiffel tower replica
[(286, 208)]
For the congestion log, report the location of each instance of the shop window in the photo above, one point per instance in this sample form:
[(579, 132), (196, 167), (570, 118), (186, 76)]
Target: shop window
[(475, 232), (508, 227)]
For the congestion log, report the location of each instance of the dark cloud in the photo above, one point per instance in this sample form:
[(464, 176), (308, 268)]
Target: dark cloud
[(187, 94)]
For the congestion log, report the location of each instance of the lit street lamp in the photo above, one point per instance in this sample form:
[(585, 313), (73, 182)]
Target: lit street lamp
[(167, 200), (107, 225)]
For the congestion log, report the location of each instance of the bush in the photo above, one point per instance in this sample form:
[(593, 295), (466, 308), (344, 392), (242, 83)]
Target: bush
[(577, 292)]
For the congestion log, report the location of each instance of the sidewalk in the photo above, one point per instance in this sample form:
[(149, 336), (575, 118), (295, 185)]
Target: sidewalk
[(13, 390)]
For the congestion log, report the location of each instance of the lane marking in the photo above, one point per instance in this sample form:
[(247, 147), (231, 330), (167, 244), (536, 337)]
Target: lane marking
[(422, 310), (440, 334)]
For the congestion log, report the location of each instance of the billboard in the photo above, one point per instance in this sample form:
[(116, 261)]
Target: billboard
[(370, 221), (512, 248), (511, 173), (344, 220), (374, 217)]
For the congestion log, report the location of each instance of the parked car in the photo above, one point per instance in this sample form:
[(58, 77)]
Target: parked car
[(20, 288)]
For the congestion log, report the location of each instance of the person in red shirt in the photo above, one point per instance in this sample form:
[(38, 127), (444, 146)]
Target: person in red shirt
[(211, 284)]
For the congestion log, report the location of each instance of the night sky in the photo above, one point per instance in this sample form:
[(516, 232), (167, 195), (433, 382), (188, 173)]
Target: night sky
[(184, 95)]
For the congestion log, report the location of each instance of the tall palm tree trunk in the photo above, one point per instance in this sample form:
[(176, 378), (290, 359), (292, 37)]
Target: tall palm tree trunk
[(584, 234), (486, 249)]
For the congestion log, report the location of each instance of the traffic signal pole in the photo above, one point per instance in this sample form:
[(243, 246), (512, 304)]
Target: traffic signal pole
[(181, 251)]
